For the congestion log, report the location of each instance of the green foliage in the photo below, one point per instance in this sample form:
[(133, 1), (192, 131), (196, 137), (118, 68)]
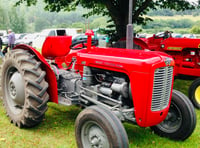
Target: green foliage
[(17, 22), (117, 10), (171, 23), (168, 12), (79, 25), (57, 130), (195, 29), (10, 18)]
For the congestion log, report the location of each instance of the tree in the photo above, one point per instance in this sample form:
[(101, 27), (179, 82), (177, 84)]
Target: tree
[(17, 23), (195, 29), (117, 10)]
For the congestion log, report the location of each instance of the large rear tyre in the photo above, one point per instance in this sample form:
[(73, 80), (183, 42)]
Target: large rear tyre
[(181, 119), (194, 93), (24, 88), (99, 128)]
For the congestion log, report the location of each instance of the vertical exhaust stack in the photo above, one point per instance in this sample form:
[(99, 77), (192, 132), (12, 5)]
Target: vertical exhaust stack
[(89, 33), (129, 29)]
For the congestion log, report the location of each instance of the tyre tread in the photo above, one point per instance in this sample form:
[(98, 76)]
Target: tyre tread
[(35, 104)]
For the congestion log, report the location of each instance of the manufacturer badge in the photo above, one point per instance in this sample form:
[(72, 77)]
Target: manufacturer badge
[(168, 61)]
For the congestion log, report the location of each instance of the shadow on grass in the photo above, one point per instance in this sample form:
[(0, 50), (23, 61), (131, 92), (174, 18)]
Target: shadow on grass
[(57, 119)]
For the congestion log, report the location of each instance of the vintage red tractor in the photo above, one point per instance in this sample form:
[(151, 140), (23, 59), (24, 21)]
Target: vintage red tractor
[(112, 84), (186, 53)]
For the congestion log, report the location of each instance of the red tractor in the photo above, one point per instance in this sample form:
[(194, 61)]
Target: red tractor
[(112, 84), (186, 53)]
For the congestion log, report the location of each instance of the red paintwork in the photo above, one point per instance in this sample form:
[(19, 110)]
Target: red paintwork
[(56, 46), (138, 65), (185, 51)]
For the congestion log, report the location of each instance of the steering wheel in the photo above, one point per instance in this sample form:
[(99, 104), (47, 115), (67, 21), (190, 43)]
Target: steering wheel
[(78, 45), (82, 44), (163, 35)]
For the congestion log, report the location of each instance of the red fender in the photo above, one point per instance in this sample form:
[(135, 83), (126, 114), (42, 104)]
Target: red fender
[(50, 76), (141, 43)]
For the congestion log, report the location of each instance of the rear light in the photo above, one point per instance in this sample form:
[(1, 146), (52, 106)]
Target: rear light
[(187, 59), (192, 53)]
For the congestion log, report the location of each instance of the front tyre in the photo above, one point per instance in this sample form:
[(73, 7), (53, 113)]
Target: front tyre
[(99, 128), (24, 88), (194, 93), (180, 121)]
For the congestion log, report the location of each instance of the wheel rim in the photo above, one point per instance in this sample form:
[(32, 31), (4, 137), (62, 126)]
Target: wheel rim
[(92, 135), (173, 120), (14, 90), (197, 94)]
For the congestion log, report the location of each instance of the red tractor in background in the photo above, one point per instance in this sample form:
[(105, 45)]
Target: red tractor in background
[(186, 53)]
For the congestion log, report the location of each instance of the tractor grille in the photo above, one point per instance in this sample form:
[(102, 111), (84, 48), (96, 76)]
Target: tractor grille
[(161, 88)]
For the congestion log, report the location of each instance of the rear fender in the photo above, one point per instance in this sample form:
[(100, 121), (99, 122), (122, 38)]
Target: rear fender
[(50, 76), (141, 43)]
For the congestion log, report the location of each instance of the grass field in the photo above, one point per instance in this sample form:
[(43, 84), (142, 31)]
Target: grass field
[(177, 17), (57, 131)]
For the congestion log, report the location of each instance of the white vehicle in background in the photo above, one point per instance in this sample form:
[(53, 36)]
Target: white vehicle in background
[(38, 42), (73, 31), (3, 33), (27, 39), (192, 36), (4, 39), (19, 36)]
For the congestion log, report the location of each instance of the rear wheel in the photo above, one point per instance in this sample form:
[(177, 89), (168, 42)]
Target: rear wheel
[(194, 93), (24, 88), (181, 119), (99, 128)]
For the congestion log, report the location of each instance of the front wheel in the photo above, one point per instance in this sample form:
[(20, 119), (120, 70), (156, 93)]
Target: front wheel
[(180, 121), (194, 93), (99, 128)]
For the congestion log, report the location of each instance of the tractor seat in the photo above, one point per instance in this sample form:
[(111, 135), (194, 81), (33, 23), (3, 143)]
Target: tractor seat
[(56, 46)]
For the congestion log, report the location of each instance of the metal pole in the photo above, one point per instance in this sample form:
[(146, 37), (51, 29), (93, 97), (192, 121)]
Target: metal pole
[(129, 29)]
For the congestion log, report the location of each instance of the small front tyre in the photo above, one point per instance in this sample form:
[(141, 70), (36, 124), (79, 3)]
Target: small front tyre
[(194, 93), (99, 128), (180, 121)]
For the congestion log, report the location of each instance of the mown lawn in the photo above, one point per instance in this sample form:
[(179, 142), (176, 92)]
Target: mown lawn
[(57, 131)]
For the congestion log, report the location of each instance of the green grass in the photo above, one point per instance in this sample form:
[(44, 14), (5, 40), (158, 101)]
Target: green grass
[(57, 130)]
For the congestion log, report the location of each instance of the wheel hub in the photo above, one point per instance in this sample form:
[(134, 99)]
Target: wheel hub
[(173, 120), (13, 91), (95, 141), (94, 136), (16, 88), (197, 94)]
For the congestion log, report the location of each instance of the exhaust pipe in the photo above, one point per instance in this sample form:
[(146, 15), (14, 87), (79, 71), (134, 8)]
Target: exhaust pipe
[(129, 29)]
